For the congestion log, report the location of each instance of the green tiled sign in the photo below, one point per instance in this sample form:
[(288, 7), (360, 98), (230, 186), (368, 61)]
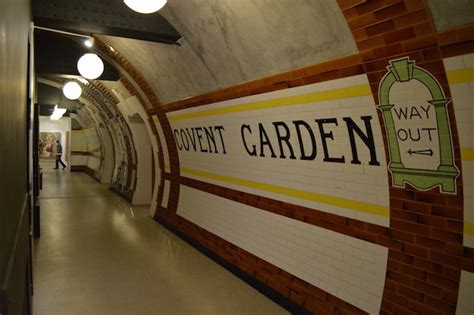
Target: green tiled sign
[(418, 132)]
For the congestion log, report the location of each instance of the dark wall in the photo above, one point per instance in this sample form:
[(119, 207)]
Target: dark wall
[(14, 30)]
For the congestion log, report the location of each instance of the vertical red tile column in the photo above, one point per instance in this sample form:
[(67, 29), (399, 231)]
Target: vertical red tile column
[(424, 263), (149, 93)]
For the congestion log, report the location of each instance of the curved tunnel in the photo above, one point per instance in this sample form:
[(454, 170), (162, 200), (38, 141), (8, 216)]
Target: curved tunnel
[(271, 139), (259, 117)]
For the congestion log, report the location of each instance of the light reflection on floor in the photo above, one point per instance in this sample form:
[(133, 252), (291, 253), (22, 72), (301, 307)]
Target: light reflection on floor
[(99, 255)]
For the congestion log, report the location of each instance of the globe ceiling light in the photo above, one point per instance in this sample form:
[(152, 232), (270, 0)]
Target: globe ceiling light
[(145, 6), (90, 66), (72, 90), (58, 113), (89, 42)]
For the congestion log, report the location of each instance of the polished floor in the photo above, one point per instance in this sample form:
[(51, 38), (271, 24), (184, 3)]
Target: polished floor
[(99, 255)]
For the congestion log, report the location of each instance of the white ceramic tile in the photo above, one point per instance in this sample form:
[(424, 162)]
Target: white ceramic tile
[(349, 268), (166, 194), (465, 304), (315, 176)]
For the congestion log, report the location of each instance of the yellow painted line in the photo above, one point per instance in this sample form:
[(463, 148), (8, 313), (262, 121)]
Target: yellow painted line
[(300, 194), (469, 228), (467, 154), (461, 76), (354, 91)]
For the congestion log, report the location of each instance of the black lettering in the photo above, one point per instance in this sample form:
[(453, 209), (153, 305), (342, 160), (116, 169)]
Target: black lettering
[(176, 135), (220, 129), (193, 139), (415, 112), (411, 136), (399, 134), (266, 141), (186, 146), (426, 110), (254, 147), (210, 137), (367, 138), (312, 156), (429, 130), (401, 112), (328, 135), (285, 138), (199, 134)]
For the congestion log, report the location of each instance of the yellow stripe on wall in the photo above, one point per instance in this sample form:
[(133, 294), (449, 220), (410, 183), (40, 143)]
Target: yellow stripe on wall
[(469, 228), (454, 77), (354, 91), (320, 198), (461, 76), (467, 154)]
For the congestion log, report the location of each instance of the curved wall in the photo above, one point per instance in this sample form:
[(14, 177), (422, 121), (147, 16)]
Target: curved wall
[(344, 186)]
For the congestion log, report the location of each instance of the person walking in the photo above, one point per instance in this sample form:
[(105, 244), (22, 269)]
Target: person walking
[(59, 153)]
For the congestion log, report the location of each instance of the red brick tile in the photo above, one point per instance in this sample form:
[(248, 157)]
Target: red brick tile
[(428, 265), (359, 34), (468, 252), (457, 49), (445, 259), (424, 28), (347, 4), (430, 243), (403, 236), (420, 42), (399, 35), (412, 18), (413, 272), (452, 273), (380, 28), (391, 11), (447, 38), (361, 21), (442, 306), (410, 293), (394, 298), (371, 43), (415, 250), (426, 288)]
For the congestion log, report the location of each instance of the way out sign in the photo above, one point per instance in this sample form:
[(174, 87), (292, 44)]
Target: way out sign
[(414, 109)]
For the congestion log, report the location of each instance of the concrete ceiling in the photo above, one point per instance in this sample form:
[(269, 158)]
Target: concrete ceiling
[(227, 42), (449, 14), (110, 17)]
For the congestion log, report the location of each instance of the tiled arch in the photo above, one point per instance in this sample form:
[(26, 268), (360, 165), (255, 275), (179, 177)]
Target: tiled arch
[(426, 252)]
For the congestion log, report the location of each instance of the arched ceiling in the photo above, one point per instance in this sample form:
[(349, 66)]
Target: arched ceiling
[(451, 13), (227, 42)]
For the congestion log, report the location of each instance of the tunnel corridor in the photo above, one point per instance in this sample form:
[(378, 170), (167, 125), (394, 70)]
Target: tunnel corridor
[(101, 255), (237, 157)]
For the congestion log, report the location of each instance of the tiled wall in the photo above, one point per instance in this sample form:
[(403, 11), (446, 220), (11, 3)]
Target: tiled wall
[(85, 150), (460, 72), (350, 269), (278, 219), (278, 170)]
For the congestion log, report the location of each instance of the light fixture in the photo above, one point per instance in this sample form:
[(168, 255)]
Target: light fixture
[(58, 113), (72, 90), (90, 66), (145, 6), (83, 81), (89, 42)]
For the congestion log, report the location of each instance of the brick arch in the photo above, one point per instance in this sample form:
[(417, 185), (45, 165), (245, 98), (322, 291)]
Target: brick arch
[(110, 105), (425, 249), (425, 262), (149, 94)]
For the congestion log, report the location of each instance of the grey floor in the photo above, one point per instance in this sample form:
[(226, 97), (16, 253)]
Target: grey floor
[(99, 255)]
